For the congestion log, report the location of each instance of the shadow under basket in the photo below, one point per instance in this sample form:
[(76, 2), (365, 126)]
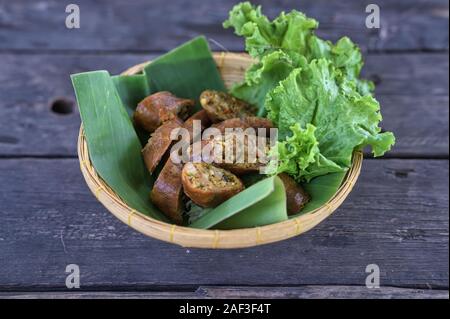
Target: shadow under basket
[(232, 67)]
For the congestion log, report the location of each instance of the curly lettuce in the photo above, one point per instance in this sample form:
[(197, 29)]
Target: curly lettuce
[(289, 36), (263, 76), (311, 89), (289, 32), (316, 103)]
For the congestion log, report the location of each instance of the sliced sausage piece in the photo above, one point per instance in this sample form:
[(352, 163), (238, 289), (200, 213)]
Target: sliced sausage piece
[(205, 122), (241, 168), (160, 107), (159, 143), (258, 122), (239, 162), (230, 123), (207, 185), (244, 123), (296, 197), (167, 192), (238, 153), (222, 106)]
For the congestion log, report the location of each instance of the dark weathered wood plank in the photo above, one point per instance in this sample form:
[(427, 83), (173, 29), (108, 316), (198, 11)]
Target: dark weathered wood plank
[(30, 84), (99, 295), (396, 217), (161, 25), (321, 292), (420, 124), (413, 90), (303, 292)]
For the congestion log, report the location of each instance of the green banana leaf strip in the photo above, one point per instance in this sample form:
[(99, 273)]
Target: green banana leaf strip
[(321, 189), (241, 202), (186, 71), (269, 210), (113, 145), (132, 89)]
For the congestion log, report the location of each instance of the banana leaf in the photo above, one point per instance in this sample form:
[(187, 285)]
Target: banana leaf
[(186, 71), (132, 89), (113, 145), (321, 189), (269, 210), (253, 206)]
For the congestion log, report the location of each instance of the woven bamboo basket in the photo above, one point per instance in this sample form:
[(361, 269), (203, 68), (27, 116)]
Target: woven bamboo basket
[(232, 67)]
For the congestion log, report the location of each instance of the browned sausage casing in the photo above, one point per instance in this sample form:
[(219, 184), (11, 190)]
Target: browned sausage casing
[(230, 123), (202, 116), (207, 185), (244, 123), (296, 197), (159, 143), (160, 107), (258, 122), (222, 106), (167, 192)]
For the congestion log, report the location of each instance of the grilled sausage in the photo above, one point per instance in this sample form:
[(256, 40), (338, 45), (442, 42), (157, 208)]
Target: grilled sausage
[(207, 185), (167, 192), (159, 143), (160, 107), (238, 153), (222, 106), (296, 197), (231, 123), (244, 123), (205, 122), (239, 161), (258, 122)]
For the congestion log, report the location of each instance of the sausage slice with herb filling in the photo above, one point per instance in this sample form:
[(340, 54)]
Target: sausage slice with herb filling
[(167, 192), (296, 197), (207, 185), (222, 106), (160, 107), (159, 143), (239, 153)]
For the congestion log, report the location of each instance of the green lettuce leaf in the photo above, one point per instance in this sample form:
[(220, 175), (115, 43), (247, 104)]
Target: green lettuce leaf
[(299, 156), (296, 153), (336, 117), (345, 56), (284, 44), (288, 31), (264, 76)]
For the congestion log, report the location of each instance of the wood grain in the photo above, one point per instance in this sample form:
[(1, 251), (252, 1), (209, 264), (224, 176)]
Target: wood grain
[(320, 292), (208, 292), (413, 91), (160, 25), (396, 217)]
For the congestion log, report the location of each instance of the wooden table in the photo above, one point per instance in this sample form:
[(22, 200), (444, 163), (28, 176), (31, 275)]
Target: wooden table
[(397, 216)]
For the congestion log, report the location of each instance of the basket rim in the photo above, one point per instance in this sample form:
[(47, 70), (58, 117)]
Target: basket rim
[(203, 238)]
